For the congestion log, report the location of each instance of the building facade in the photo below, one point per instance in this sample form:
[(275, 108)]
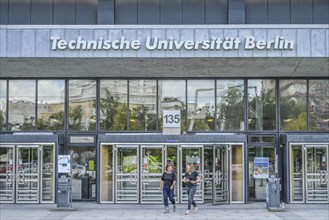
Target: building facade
[(243, 83)]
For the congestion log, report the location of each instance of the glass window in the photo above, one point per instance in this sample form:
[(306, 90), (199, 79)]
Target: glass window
[(293, 105), (113, 105), (21, 105), (142, 105), (172, 97), (83, 172), (319, 105), (261, 105), (3, 104), (237, 173), (201, 105), (51, 104), (230, 105), (82, 105), (107, 173), (48, 173)]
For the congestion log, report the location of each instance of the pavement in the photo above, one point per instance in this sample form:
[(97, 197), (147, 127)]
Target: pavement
[(94, 211)]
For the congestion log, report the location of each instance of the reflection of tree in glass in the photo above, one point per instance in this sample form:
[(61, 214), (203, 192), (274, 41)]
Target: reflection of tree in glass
[(109, 108), (261, 110), (141, 119), (54, 122), (293, 109), (28, 123), (2, 120), (75, 118), (231, 110)]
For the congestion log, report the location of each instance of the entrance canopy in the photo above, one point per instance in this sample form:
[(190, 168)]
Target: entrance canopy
[(164, 67)]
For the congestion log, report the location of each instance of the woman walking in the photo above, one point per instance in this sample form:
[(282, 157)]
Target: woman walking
[(167, 184), (191, 178)]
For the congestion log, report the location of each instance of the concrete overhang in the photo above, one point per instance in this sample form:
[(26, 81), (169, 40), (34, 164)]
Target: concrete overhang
[(163, 67)]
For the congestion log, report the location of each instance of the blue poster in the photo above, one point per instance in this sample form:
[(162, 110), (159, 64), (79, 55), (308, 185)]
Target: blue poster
[(261, 167)]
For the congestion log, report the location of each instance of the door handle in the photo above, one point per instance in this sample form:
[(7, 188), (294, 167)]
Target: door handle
[(133, 177), (323, 177), (21, 177), (146, 177), (9, 177)]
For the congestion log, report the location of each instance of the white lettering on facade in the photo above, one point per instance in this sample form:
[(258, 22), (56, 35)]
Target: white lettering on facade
[(154, 43)]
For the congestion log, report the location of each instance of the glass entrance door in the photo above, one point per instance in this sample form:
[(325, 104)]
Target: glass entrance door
[(27, 174), (316, 171), (192, 154), (309, 173), (152, 164), (7, 186), (127, 175), (221, 174)]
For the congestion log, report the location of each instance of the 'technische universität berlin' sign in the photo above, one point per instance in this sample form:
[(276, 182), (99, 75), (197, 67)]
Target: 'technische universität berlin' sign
[(154, 43)]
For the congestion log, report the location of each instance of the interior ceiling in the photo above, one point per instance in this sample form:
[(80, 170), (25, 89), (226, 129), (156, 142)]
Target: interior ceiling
[(164, 67)]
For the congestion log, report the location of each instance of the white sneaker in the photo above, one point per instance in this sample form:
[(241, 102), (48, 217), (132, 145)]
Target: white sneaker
[(187, 212), (196, 209), (166, 210)]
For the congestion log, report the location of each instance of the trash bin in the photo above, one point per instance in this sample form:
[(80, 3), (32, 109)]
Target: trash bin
[(273, 189)]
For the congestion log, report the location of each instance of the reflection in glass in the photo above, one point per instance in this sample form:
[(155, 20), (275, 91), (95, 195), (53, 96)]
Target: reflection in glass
[(7, 173), (296, 173), (261, 105), (237, 173), (51, 104), (107, 173), (82, 105), (3, 104), (230, 105), (257, 186), (83, 172), (201, 105), (48, 167), (172, 97), (293, 105), (21, 105), (113, 105), (319, 105), (142, 105)]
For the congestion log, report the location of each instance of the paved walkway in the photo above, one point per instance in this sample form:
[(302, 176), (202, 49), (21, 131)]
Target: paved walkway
[(89, 210)]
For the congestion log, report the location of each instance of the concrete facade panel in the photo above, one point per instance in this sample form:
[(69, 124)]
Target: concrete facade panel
[(42, 45), (318, 43), (28, 43), (259, 34), (3, 42), (291, 35), (14, 43), (303, 43)]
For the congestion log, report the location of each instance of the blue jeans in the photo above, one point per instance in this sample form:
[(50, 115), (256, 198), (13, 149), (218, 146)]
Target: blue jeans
[(190, 192), (167, 192)]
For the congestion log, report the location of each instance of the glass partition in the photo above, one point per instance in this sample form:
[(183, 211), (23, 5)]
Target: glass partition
[(230, 105), (48, 173), (201, 105), (21, 105), (107, 169), (296, 173), (172, 96), (237, 173), (83, 172), (319, 105), (51, 104), (142, 105), (261, 105), (113, 105), (3, 104), (82, 105), (293, 105)]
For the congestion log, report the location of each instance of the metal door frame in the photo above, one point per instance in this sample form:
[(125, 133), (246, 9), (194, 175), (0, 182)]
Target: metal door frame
[(141, 182), (187, 145), (177, 169), (305, 147), (38, 148), (101, 172), (135, 146), (13, 173), (228, 162), (291, 175)]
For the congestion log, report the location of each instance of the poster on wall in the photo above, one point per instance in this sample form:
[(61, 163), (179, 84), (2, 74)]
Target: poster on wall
[(261, 167), (64, 164)]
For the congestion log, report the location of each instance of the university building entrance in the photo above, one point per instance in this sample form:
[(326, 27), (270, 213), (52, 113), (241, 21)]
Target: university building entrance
[(131, 173)]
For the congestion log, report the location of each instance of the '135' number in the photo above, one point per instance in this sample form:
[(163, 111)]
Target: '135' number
[(172, 119)]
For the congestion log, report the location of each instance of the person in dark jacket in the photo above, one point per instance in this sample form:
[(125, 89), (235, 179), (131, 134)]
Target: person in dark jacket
[(167, 184), (191, 178)]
